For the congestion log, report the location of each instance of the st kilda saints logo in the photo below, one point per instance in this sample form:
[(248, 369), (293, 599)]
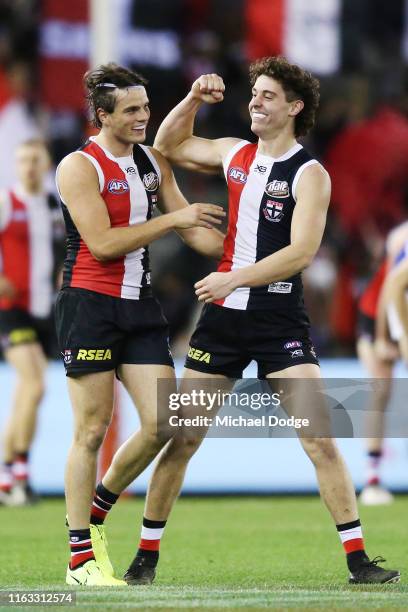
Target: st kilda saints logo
[(273, 211), (151, 181), (277, 189)]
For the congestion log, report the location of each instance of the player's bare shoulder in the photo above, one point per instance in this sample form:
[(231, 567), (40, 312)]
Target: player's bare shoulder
[(161, 160), (314, 180), (75, 172)]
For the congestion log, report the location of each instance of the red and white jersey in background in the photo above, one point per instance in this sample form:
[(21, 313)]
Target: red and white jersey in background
[(128, 186), (262, 197), (26, 249)]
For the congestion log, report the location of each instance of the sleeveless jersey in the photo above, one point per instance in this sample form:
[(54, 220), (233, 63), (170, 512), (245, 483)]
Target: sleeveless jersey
[(128, 186), (27, 232), (262, 197)]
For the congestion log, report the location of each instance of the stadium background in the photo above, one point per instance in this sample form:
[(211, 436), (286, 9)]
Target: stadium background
[(360, 52)]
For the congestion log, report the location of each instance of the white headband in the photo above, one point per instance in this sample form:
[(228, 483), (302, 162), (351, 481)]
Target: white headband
[(117, 86)]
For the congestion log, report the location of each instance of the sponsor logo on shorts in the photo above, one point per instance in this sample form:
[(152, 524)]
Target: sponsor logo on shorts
[(67, 355), (238, 175), (273, 211), (94, 354), (24, 334), (150, 181), (277, 189), (118, 186), (297, 353), (280, 287), (199, 355), (293, 344), (313, 351)]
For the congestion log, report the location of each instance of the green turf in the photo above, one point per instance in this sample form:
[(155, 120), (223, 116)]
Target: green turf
[(218, 553)]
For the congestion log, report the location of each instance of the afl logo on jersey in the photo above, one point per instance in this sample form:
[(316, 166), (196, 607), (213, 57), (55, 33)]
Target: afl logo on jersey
[(238, 175), (118, 186), (151, 181), (273, 211), (277, 189)]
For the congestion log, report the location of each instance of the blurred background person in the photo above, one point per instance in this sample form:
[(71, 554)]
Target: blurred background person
[(30, 224), (378, 353)]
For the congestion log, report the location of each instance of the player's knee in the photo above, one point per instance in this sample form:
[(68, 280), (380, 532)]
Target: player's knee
[(91, 437), (188, 445), (152, 438), (320, 450)]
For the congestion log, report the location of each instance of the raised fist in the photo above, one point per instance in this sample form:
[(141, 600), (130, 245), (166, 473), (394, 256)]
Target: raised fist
[(208, 88)]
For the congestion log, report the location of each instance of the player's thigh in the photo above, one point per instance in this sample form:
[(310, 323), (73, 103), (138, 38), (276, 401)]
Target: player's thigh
[(28, 359), (91, 397), (302, 395), (200, 395), (149, 386), (202, 391), (367, 355)]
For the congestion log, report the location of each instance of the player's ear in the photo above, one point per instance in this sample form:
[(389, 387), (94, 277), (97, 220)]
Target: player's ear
[(296, 107), (102, 115)]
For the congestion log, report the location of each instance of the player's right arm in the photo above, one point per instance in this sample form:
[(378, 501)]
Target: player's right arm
[(175, 138), (79, 188)]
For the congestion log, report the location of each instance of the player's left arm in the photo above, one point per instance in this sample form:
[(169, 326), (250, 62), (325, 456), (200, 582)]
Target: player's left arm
[(308, 223), (209, 241), (394, 292)]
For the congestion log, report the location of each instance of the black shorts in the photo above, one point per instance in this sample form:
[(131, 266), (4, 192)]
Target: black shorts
[(365, 326), (226, 340), (18, 327), (98, 332)]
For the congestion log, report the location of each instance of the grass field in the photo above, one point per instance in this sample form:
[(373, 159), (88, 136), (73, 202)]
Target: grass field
[(217, 553)]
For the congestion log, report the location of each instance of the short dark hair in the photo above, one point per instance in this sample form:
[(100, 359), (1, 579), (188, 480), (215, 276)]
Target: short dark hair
[(35, 142), (298, 84), (100, 96)]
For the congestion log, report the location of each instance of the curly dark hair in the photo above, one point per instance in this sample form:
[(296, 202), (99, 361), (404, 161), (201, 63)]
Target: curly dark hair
[(298, 84), (100, 96)]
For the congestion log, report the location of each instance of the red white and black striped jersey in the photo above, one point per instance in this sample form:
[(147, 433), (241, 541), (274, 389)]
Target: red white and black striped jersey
[(262, 197), (128, 186), (27, 232)]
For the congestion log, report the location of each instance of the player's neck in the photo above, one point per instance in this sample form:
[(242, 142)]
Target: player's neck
[(113, 145), (277, 145)]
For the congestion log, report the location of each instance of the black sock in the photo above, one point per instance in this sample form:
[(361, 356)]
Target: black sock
[(102, 503), (355, 559)]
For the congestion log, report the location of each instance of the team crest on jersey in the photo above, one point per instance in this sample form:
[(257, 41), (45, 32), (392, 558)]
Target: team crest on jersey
[(151, 181), (273, 211), (238, 175), (277, 189), (118, 186)]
